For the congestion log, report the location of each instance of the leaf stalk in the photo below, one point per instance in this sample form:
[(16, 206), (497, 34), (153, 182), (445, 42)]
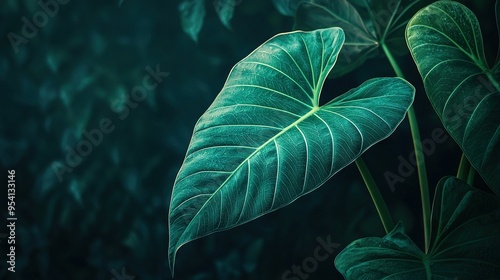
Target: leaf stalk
[(377, 198), (417, 145), (463, 168)]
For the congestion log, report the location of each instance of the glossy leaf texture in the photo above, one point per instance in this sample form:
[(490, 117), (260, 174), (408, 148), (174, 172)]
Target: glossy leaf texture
[(266, 141), (367, 25), (192, 13), (446, 43), (465, 242)]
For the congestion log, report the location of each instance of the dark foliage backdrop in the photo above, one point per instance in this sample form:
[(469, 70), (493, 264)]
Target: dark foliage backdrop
[(96, 157)]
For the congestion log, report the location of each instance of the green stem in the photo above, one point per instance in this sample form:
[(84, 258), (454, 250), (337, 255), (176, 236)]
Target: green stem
[(427, 265), (417, 145), (463, 168), (422, 177), (470, 177), (492, 79), (466, 171), (393, 61), (377, 198)]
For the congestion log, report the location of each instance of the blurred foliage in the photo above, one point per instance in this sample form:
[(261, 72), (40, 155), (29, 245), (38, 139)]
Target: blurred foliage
[(110, 212)]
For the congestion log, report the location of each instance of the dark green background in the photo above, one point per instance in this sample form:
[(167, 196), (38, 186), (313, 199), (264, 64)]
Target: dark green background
[(110, 212)]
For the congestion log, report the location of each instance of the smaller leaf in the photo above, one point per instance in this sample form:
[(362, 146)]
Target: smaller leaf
[(368, 25), (361, 43), (376, 258), (286, 7), (192, 13), (225, 10), (465, 242)]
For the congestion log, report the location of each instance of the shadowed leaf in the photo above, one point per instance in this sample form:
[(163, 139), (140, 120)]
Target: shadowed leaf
[(367, 25), (446, 43), (465, 242), (225, 10), (192, 14)]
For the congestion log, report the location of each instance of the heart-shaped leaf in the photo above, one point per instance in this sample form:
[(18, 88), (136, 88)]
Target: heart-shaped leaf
[(266, 141), (368, 26), (446, 43), (465, 242)]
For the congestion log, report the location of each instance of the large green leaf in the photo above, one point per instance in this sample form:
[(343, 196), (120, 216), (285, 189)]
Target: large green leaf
[(465, 242), (368, 26), (446, 43), (265, 141)]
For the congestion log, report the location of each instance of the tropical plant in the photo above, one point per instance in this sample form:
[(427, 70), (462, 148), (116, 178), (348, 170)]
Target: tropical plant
[(266, 140)]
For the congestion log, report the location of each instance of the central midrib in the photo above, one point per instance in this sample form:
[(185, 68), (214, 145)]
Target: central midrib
[(314, 109)]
